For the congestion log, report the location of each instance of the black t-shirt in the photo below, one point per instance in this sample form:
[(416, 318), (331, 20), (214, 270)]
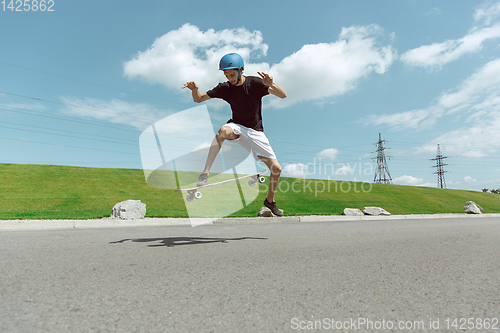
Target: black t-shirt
[(245, 101)]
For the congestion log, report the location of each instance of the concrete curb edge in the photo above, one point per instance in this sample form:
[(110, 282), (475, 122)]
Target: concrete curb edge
[(147, 222)]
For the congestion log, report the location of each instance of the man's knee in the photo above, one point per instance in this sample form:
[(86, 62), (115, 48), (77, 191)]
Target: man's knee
[(276, 168), (225, 133), (222, 134)]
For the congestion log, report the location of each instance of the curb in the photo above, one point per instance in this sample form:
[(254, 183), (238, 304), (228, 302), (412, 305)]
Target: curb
[(6, 225), (90, 224)]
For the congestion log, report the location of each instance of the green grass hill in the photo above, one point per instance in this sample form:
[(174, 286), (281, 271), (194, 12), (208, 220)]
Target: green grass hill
[(65, 192)]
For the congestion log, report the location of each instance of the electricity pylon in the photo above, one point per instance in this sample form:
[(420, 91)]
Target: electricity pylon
[(440, 171), (382, 175)]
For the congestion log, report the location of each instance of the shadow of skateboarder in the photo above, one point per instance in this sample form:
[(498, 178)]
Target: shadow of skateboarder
[(177, 241)]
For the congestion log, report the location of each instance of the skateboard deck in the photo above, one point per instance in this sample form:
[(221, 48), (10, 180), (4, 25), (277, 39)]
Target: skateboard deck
[(194, 193)]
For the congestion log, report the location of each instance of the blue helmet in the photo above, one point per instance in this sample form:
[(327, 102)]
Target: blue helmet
[(231, 61)]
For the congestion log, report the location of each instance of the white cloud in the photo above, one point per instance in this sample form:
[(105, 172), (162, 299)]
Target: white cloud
[(482, 88), (408, 180), (188, 54), (315, 72), (330, 153), (479, 140), (476, 100), (344, 170), (139, 115), (435, 55), (438, 54), (295, 170), (23, 106), (469, 179), (325, 70), (434, 12), (479, 92), (480, 97), (406, 120), (412, 181), (315, 169), (487, 13)]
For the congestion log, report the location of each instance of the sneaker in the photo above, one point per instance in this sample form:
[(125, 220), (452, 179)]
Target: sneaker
[(273, 207), (203, 180)]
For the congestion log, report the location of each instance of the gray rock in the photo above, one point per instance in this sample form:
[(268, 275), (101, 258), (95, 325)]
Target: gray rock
[(473, 208), (353, 212), (129, 210), (266, 212), (375, 211)]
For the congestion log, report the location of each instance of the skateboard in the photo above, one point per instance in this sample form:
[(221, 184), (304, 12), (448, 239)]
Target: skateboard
[(194, 193)]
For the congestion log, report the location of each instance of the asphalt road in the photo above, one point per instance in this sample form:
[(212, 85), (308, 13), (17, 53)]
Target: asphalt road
[(408, 275)]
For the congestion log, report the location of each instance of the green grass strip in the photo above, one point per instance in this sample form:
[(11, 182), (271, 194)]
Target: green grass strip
[(66, 192)]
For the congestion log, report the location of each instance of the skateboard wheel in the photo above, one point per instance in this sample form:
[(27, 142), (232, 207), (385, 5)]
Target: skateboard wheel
[(190, 197), (198, 195), (262, 179), (251, 182)]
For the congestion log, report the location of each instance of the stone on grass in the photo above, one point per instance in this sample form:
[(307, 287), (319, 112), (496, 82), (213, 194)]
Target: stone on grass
[(375, 211), (353, 212), (473, 208), (129, 210), (266, 212)]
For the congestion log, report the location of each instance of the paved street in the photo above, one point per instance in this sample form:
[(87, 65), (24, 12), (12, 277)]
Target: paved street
[(253, 278)]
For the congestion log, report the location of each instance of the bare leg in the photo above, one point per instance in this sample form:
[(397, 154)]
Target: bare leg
[(275, 169), (224, 133)]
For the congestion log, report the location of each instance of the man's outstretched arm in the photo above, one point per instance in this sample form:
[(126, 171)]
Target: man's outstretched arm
[(197, 96), (273, 87)]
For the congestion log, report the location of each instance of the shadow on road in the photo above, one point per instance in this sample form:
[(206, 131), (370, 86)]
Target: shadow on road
[(176, 241)]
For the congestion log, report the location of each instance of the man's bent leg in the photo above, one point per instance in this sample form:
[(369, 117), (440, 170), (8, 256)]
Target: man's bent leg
[(275, 169), (224, 133)]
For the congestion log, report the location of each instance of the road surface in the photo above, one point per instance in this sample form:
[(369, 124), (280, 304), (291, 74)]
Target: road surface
[(357, 276)]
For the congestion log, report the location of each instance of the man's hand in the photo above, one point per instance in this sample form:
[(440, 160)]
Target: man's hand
[(191, 85), (273, 87), (197, 96), (266, 79)]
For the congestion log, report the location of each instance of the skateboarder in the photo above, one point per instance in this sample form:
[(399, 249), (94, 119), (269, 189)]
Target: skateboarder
[(244, 95)]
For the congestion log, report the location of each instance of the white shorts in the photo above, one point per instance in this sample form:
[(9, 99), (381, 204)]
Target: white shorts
[(254, 141)]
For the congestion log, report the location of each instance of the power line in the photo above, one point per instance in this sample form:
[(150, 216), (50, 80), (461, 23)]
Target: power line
[(153, 120), (90, 83), (310, 152), (67, 135), (157, 98), (77, 106), (70, 146), (64, 131)]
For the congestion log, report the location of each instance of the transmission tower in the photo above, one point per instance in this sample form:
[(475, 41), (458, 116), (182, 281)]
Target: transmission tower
[(382, 175), (440, 171)]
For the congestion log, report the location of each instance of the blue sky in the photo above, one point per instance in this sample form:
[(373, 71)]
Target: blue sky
[(78, 85)]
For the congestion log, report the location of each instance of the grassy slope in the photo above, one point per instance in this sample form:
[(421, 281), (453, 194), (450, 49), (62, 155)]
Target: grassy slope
[(58, 192)]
